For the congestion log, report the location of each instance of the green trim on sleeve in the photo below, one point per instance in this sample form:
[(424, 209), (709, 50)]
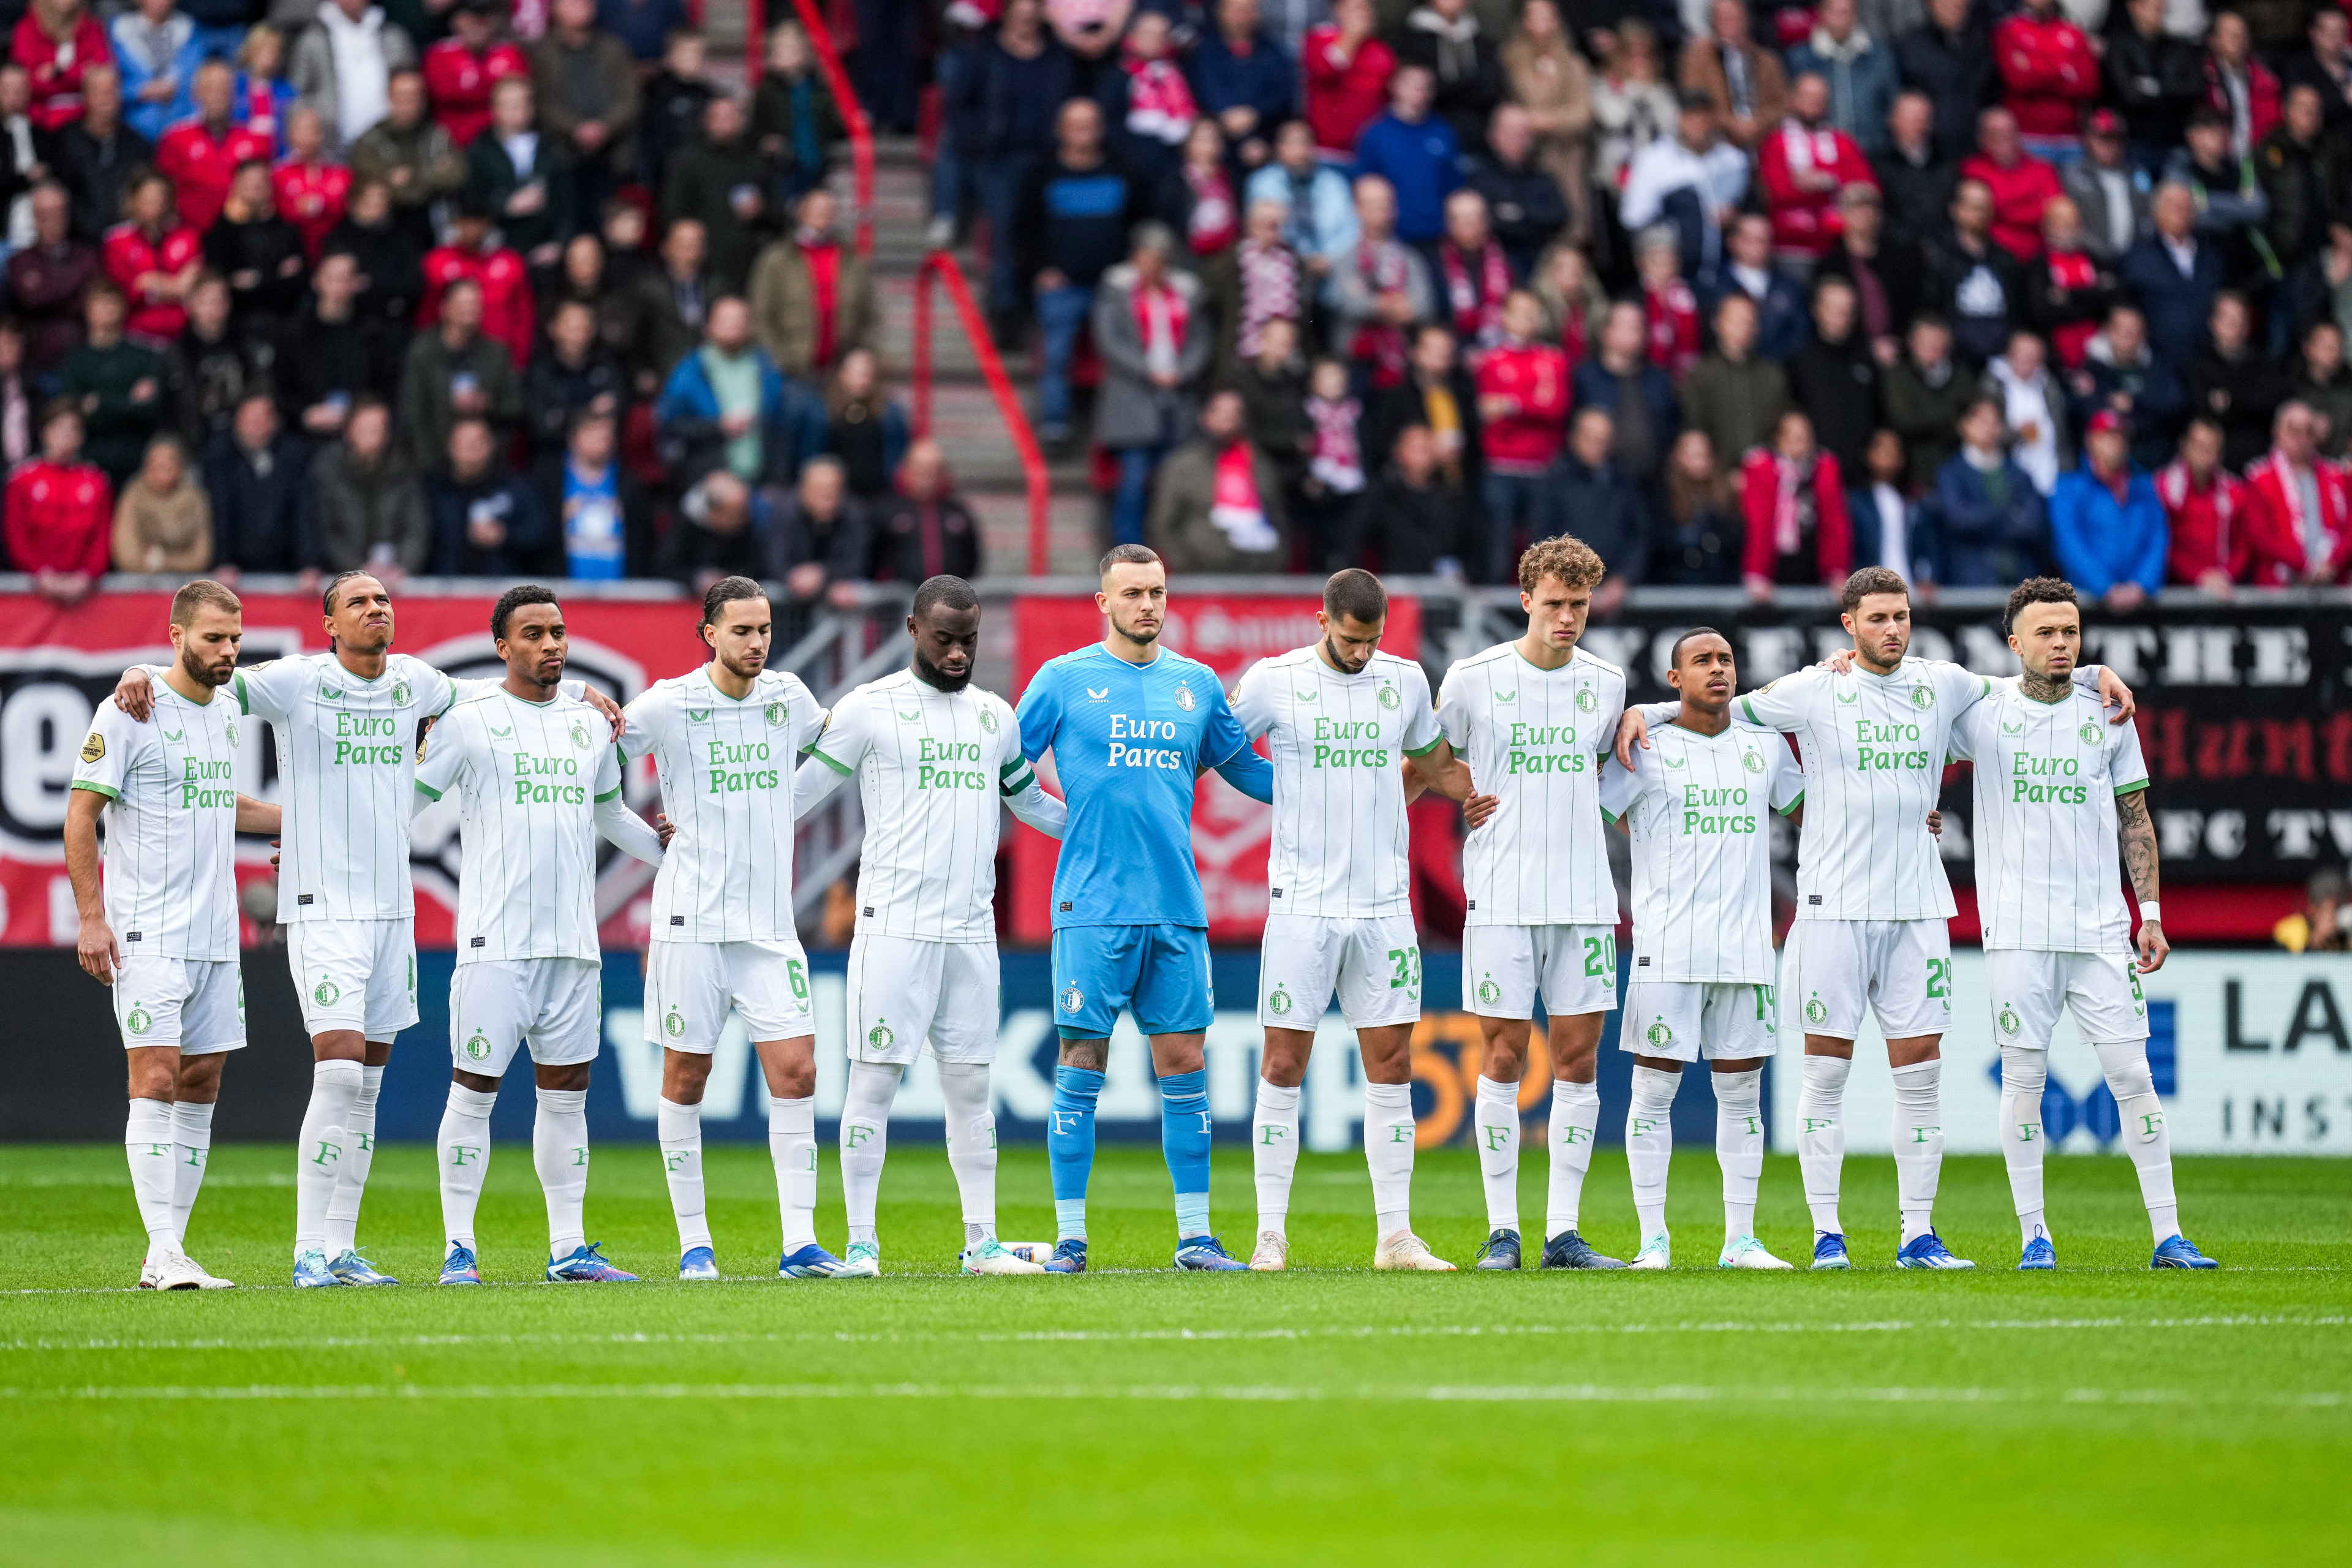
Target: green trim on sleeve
[(2132, 788), (1424, 751), (1748, 708), (425, 789), (1790, 809), (612, 794), (829, 761), (97, 788)]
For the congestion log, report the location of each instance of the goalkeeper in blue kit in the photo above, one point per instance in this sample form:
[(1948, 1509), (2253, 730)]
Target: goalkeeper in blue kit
[(1132, 726)]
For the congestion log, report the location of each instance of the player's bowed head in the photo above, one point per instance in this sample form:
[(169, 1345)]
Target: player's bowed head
[(738, 628), (1133, 597), (944, 626), (1355, 612)]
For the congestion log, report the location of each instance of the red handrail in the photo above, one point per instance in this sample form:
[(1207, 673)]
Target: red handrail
[(853, 113), (942, 266)]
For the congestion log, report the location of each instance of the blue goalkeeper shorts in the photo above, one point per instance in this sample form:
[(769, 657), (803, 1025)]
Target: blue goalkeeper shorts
[(1159, 973)]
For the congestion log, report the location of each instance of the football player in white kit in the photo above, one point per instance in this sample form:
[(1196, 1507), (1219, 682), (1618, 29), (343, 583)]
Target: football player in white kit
[(537, 780), (159, 921), (1340, 717), (2057, 791), (933, 756), (1701, 984), (1533, 719)]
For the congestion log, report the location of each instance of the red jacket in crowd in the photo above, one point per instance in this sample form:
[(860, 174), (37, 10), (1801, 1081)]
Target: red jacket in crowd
[(57, 68), (459, 82), (1673, 312), (2019, 193), (2048, 74), (130, 256), (1534, 376), (1759, 503), (1343, 94), (1805, 221), (60, 518), (311, 196), (2211, 530), (2261, 97), (201, 166), (2280, 557), (509, 313)]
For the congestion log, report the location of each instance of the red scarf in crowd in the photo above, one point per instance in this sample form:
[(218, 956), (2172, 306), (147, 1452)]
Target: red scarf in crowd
[(1160, 302), (1159, 106), (1673, 313), (1269, 276), (1216, 216), (824, 282), (1383, 266), (1477, 306)]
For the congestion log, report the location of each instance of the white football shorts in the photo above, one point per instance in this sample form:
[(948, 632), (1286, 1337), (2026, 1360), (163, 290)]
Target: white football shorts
[(1371, 962), (194, 1004), (1503, 967), (1695, 1020), (904, 993), (2026, 990), (691, 985), (1903, 969), (355, 975), (554, 1003)]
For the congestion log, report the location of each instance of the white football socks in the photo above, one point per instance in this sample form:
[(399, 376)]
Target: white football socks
[(148, 1142), (1274, 1152), (319, 1153), (1575, 1114), (1821, 1137), (972, 1145), (1494, 1122), (192, 1148), (1918, 1144), (791, 1143), (1739, 1147), (464, 1150), (2023, 1074), (680, 1129), (559, 1148), (1650, 1144), (865, 1140), (359, 1158), (1388, 1152), (2144, 1134)]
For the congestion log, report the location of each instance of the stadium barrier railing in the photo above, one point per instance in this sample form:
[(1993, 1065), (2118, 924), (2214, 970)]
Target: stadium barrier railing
[(857, 127), (941, 267)]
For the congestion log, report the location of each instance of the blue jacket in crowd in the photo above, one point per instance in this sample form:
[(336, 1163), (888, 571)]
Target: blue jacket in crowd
[(686, 419), (1976, 542), (1265, 78), (1424, 162), (2100, 542)]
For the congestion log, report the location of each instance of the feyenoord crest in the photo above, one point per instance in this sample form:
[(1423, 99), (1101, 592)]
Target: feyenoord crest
[(674, 1024), (477, 1047), (1184, 697), (1072, 1000), (139, 1020), (881, 1038), (1279, 1003), (776, 711), (1488, 991), (1389, 699), (326, 994), (579, 734), (400, 694), (1660, 1034), (988, 720), (232, 733), (2088, 733), (1815, 1012), (1922, 697), (1752, 760), (1586, 702), (2009, 1020)]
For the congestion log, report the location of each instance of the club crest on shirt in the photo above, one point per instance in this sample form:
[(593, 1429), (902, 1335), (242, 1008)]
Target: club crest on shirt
[(231, 728), (2088, 733), (1072, 1000), (1923, 698), (988, 721), (579, 734), (1389, 699), (1184, 697), (1752, 760), (93, 747), (777, 713), (1586, 701), (400, 694)]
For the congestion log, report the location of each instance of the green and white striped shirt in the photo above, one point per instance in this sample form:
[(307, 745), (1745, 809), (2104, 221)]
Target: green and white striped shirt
[(169, 879)]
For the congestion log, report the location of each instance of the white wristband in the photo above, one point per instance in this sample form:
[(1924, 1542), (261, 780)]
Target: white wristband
[(2149, 909)]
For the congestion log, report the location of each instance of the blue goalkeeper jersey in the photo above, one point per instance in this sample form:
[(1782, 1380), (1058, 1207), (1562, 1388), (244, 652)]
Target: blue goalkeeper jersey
[(1129, 741)]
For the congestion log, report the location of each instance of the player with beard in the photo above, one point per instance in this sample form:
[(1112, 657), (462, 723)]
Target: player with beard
[(933, 756)]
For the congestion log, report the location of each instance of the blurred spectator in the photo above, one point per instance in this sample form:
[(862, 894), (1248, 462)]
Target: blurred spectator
[(1887, 527), (1669, 306), (19, 436), (2303, 513), (96, 155), (1623, 382), (201, 155), (456, 371), (1523, 402), (2154, 77), (1924, 397), (1348, 71), (727, 405), (1746, 85), (1008, 108), (1217, 502), (509, 313), (1147, 104), (262, 96), (257, 478), (642, 25), (2020, 184), (58, 517), (601, 514), (522, 172), (864, 427), (369, 501), (812, 297), (1416, 154), (1318, 210), (344, 67), (1969, 279), (2303, 175), (1438, 395), (1604, 506), (1735, 395), (2238, 84), (721, 530), (1804, 163), (589, 277), (1991, 525), (1415, 521), (1698, 542), (1691, 182), (1152, 331), (1858, 70), (2068, 291), (1747, 269), (390, 277), (820, 535), (260, 254), (1632, 103), (1197, 197), (2323, 924), (1252, 284), (2049, 75), (2107, 525), (675, 99), (1885, 281), (1473, 276), (2231, 382), (485, 520), (461, 69), (1072, 221), (2233, 208), (1329, 441), (1835, 377), (2208, 514), (720, 179), (312, 194), (163, 523), (1247, 81), (1792, 501), (332, 357), (116, 386), (412, 156), (1442, 37), (2110, 194), (672, 302), (58, 43), (1544, 127), (1916, 173), (2324, 381), (2121, 374), (924, 529), (45, 280), (586, 86), (157, 51), (1525, 206), (2033, 406), (2326, 67), (208, 368), (1573, 301), (572, 377)]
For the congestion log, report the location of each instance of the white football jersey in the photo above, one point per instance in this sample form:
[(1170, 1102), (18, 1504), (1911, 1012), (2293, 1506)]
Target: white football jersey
[(528, 777), (933, 769), (2049, 873), (169, 883), (726, 772), (1703, 850), (1340, 835), (1874, 750), (346, 769), (1535, 737)]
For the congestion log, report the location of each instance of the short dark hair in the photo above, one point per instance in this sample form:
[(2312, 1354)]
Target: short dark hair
[(723, 592), (945, 591), (1128, 555), (1868, 581), (1355, 594), (2037, 591), (514, 599), (1674, 654), (327, 599), (202, 593)]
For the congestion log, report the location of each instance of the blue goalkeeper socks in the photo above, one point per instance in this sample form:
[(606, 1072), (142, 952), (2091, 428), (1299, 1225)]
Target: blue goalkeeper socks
[(1184, 1138), (1070, 1146)]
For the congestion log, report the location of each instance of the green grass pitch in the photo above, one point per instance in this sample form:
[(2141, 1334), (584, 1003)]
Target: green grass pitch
[(1138, 1416)]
